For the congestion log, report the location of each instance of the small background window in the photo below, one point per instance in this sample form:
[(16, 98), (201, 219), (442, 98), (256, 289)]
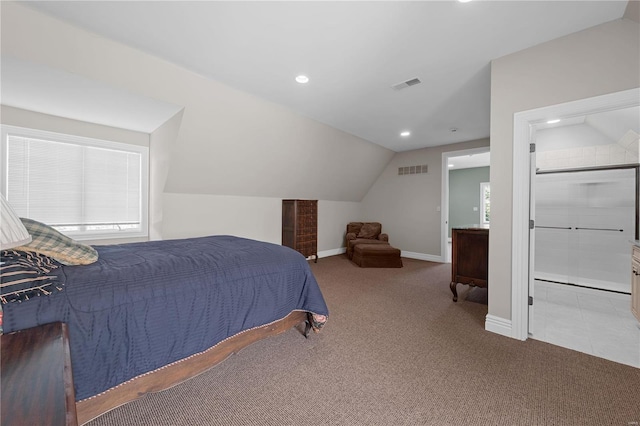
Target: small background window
[(485, 200)]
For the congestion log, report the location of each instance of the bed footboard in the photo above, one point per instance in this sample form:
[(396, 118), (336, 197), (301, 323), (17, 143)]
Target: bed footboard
[(179, 371)]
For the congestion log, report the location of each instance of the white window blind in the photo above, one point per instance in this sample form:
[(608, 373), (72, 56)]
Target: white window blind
[(85, 188)]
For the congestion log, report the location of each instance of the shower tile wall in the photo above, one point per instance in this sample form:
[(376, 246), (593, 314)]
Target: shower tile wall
[(588, 156)]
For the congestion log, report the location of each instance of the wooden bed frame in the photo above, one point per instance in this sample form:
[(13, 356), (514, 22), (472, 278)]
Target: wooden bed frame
[(182, 370)]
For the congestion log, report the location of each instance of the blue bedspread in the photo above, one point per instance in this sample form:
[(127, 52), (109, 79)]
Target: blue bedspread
[(144, 305)]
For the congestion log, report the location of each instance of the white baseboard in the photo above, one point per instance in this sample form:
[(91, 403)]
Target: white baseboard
[(333, 252), (407, 254), (498, 325), (421, 256)]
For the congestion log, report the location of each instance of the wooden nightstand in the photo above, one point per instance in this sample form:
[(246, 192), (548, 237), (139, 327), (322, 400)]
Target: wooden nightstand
[(35, 377)]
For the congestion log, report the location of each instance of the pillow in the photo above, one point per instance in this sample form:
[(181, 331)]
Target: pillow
[(48, 241), (26, 274), (370, 230), (354, 227)]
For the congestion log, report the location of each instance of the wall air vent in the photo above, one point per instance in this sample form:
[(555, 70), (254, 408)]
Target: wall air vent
[(407, 83), (412, 170)]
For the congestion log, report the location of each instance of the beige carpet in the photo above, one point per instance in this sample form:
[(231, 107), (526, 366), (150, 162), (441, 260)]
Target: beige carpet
[(397, 351)]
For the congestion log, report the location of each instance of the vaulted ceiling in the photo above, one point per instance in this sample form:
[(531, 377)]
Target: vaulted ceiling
[(352, 52)]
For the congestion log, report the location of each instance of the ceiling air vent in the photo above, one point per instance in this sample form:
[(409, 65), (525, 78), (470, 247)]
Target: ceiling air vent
[(407, 83)]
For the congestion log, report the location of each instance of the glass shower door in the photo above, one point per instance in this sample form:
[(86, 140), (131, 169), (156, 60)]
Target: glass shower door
[(553, 224), (605, 226), (584, 223)]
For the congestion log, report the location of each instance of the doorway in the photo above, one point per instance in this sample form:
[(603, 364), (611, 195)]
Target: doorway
[(584, 221), (524, 238), (458, 160)]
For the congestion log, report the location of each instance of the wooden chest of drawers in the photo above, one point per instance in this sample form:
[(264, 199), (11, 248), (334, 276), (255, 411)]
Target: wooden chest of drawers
[(300, 226)]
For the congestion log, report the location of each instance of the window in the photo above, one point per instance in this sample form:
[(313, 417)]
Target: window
[(85, 188), (485, 201)]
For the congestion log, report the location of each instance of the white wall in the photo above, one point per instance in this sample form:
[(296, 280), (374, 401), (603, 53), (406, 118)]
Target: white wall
[(194, 215), (260, 218), (333, 217), (407, 205), (226, 144), (599, 60), (160, 162)]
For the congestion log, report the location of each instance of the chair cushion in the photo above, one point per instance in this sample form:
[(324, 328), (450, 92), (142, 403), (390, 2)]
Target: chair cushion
[(370, 230), (377, 256), (351, 244), (359, 241)]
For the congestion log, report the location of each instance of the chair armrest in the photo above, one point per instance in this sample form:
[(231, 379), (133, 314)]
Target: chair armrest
[(351, 236), (383, 237)]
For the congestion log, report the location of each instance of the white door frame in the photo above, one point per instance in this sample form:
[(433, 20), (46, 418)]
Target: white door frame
[(520, 250), (444, 203)]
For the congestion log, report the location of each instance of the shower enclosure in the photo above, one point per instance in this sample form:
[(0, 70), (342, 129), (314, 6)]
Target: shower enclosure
[(585, 221)]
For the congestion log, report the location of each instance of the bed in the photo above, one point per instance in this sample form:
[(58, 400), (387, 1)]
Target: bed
[(146, 316)]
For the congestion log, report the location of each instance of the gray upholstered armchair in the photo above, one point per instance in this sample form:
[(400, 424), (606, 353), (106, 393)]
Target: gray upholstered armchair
[(364, 233)]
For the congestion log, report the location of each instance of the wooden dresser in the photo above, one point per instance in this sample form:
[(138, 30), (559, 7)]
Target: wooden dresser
[(469, 258), (37, 384), (300, 226)]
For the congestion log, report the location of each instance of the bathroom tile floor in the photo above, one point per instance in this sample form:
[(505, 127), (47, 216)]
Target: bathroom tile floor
[(595, 322)]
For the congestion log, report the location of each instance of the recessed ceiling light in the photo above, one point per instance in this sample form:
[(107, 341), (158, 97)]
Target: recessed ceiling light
[(450, 165), (557, 120), (302, 79), (464, 1), (405, 133)]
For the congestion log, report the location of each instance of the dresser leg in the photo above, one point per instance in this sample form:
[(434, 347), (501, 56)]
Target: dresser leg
[(452, 286)]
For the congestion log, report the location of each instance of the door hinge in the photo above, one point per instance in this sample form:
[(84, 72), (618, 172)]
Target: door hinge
[(532, 147), (531, 224), (530, 300)]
